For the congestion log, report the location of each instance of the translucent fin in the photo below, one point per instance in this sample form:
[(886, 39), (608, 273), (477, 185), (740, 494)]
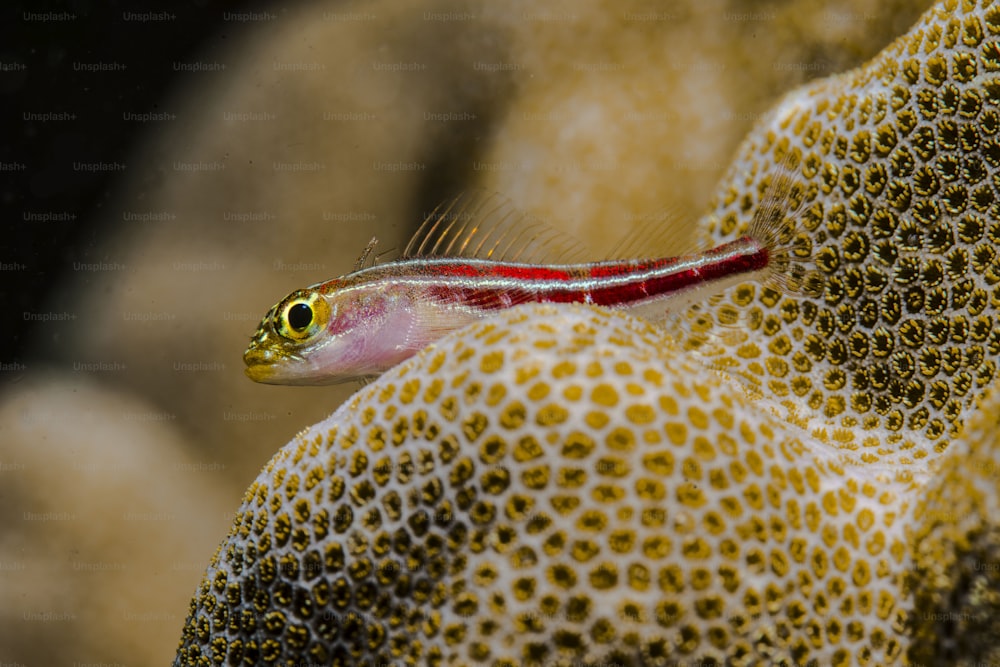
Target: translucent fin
[(431, 320), (368, 256), (723, 326), (485, 225), (777, 223), (666, 233)]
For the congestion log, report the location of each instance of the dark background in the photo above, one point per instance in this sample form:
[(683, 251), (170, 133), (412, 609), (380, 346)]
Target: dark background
[(40, 73)]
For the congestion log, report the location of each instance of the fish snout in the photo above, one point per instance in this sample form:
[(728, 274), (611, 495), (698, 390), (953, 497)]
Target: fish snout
[(259, 361)]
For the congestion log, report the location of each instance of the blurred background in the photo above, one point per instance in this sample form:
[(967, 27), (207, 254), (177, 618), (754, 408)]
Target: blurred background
[(169, 174)]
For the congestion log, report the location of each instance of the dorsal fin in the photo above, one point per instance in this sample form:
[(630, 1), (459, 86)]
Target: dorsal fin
[(485, 225), (367, 257), (665, 233)]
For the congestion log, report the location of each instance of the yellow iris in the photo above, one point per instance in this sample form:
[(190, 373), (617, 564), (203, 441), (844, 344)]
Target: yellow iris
[(302, 315)]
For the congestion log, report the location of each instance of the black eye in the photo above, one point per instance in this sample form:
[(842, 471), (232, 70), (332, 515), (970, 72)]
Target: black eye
[(300, 316)]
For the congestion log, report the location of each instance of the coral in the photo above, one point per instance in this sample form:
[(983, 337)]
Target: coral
[(899, 166), (106, 523), (955, 579), (566, 485), (560, 486)]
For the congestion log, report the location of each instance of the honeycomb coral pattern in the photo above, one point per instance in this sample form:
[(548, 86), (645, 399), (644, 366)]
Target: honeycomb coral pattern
[(557, 487), (956, 577), (899, 162)]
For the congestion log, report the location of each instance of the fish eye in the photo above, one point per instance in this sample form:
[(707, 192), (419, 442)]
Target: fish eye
[(302, 315)]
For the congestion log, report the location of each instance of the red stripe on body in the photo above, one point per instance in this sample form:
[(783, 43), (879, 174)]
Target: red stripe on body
[(525, 272), (739, 257), (574, 284)]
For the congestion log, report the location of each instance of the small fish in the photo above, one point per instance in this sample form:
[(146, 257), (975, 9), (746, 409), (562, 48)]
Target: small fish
[(469, 261)]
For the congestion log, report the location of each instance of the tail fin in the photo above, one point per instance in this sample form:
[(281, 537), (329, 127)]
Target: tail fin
[(720, 326), (777, 224)]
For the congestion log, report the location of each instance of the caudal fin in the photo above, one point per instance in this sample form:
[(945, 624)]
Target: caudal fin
[(726, 322), (778, 224)]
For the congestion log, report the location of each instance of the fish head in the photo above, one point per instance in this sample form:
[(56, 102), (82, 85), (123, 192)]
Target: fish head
[(320, 336)]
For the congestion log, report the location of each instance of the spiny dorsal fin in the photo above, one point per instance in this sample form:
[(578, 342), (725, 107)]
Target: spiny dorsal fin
[(367, 257), (485, 225)]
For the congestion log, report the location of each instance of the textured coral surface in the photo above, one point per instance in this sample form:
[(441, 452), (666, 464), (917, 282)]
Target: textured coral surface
[(557, 487), (956, 544), (567, 486), (899, 167)]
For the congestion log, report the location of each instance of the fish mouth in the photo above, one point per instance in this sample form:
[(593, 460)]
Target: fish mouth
[(260, 364)]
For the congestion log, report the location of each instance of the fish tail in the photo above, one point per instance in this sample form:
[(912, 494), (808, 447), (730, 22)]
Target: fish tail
[(778, 225)]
